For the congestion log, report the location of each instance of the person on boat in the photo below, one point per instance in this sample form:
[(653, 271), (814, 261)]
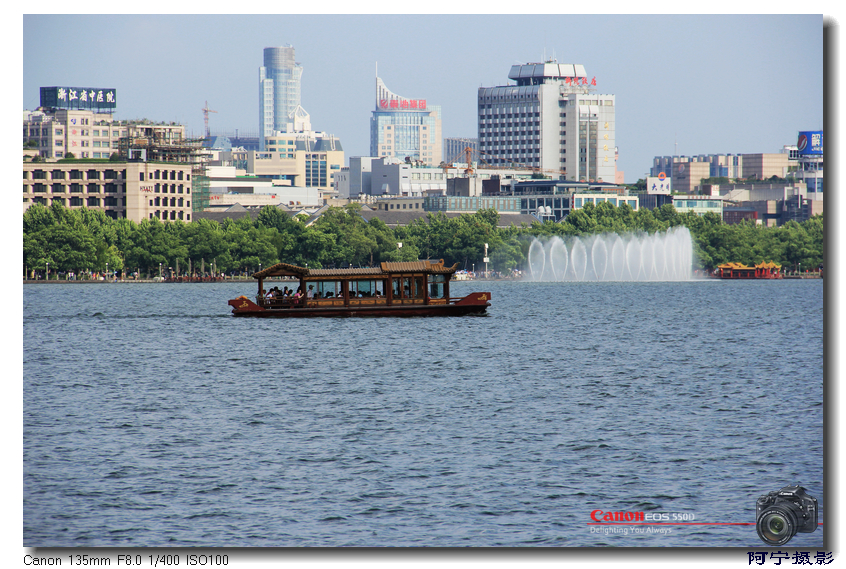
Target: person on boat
[(299, 294), (310, 293)]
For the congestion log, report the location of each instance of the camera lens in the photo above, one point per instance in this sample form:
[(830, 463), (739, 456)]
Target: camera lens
[(776, 525)]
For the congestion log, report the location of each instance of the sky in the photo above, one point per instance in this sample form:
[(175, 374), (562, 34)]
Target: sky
[(684, 84)]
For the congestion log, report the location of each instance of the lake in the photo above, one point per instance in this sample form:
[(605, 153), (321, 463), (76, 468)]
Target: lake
[(154, 418)]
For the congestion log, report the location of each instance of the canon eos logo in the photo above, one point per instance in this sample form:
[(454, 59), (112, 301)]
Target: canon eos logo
[(600, 516)]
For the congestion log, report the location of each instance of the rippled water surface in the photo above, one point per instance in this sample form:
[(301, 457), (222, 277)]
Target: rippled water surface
[(154, 418)]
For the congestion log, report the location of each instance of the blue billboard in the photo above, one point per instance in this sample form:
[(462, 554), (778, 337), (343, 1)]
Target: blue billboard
[(79, 98), (810, 142)]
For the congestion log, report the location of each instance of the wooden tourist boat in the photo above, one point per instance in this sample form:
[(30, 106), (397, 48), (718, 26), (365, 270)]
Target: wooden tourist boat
[(418, 288), (741, 271)]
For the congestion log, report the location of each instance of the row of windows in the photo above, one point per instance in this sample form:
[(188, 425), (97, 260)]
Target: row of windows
[(492, 124), (510, 161), (73, 188), (713, 204), (79, 202), (427, 176), (510, 142), (510, 115), (173, 202), (74, 174), (173, 215), (578, 202), (174, 189), (163, 174), (35, 131), (500, 133), (388, 127)]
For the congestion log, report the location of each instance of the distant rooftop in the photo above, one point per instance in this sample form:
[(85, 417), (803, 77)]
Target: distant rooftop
[(534, 73)]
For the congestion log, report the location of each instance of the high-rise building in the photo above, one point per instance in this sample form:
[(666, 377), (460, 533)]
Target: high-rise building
[(552, 119), (405, 128), (279, 90)]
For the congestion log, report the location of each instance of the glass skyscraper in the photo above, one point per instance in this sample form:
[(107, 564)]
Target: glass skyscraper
[(279, 90), (405, 128)]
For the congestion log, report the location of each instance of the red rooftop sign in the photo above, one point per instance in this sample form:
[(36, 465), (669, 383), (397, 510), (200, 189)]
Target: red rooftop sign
[(396, 104), (579, 81)]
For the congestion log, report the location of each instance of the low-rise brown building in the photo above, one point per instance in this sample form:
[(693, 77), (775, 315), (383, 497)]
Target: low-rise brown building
[(131, 190)]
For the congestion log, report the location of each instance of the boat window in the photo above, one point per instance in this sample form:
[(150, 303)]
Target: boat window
[(395, 287), (436, 286), (328, 289), (367, 288), (419, 287)]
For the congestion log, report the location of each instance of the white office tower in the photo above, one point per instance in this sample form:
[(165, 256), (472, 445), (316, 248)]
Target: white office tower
[(551, 119)]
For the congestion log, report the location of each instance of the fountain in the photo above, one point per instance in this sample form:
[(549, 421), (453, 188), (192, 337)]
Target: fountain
[(664, 256)]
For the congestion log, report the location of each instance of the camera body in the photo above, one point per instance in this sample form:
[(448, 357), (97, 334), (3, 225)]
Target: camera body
[(782, 513)]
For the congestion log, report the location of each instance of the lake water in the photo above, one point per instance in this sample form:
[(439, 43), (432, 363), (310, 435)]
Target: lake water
[(152, 417)]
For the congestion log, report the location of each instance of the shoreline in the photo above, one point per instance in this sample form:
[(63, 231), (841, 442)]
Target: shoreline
[(251, 280)]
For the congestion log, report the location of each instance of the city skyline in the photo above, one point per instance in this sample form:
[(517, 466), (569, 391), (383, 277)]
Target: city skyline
[(684, 84)]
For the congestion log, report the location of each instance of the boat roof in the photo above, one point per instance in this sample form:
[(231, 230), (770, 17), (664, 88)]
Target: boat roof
[(384, 269)]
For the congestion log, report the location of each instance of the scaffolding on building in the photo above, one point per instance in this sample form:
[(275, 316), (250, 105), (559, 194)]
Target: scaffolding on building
[(154, 145)]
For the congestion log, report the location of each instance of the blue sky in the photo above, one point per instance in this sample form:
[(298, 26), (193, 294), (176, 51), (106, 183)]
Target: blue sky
[(686, 84)]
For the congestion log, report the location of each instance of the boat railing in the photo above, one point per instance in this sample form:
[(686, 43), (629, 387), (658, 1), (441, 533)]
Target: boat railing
[(280, 302)]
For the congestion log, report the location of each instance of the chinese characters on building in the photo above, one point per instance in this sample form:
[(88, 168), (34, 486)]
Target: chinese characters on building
[(572, 81), (398, 104)]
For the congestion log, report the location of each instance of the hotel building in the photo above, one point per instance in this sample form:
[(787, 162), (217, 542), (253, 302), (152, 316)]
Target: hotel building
[(551, 119), (131, 190)]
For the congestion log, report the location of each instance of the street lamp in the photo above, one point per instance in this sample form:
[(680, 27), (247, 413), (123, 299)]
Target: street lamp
[(47, 272), (107, 272), (160, 271)]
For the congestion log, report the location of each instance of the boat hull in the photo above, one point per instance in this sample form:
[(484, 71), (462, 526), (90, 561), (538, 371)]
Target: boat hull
[(475, 303)]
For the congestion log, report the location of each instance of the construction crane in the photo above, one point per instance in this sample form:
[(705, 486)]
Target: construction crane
[(467, 154), (206, 110)]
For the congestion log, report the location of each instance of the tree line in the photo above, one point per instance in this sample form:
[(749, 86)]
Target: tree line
[(84, 241)]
